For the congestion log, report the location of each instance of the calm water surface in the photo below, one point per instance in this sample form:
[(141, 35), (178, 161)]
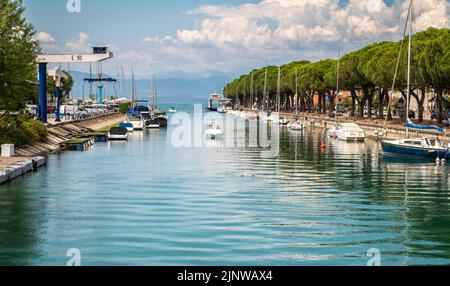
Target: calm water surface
[(147, 203)]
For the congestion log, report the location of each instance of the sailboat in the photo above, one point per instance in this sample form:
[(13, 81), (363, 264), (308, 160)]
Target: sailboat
[(350, 132), (134, 116), (429, 147), (296, 125), (280, 120), (157, 114)]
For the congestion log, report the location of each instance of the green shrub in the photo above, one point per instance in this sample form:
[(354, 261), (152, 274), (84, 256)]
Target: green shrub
[(19, 130), (124, 107), (36, 130)]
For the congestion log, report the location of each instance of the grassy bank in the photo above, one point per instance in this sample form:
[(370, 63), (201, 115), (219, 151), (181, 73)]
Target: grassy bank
[(19, 130)]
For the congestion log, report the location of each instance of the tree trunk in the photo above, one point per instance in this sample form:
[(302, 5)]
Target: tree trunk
[(381, 98), (332, 103), (369, 95), (319, 103), (353, 112), (439, 106)]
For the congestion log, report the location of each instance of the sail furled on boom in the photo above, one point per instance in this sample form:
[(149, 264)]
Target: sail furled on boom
[(423, 127)]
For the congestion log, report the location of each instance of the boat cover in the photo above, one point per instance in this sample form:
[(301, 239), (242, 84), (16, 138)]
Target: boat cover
[(421, 127), (126, 125), (118, 131)]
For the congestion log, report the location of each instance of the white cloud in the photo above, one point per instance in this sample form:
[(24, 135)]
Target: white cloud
[(240, 37), (45, 38), (80, 44)]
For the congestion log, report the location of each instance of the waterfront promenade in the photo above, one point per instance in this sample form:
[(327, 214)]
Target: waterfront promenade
[(28, 158)]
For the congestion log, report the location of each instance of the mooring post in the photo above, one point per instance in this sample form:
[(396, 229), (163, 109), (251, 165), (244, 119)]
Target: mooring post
[(43, 92), (58, 103)]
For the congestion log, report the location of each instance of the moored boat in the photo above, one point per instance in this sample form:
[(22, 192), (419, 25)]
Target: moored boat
[(296, 126), (150, 122), (347, 132), (429, 147), (135, 119), (118, 133), (161, 116), (127, 125), (213, 131)]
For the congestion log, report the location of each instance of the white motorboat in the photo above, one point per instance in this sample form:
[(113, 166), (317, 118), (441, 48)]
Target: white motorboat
[(213, 131), (150, 122), (172, 110), (221, 110), (347, 132), (296, 126), (127, 125), (283, 121), (135, 120), (118, 133)]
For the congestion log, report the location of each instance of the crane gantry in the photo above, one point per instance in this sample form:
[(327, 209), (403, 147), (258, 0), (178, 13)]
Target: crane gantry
[(99, 54)]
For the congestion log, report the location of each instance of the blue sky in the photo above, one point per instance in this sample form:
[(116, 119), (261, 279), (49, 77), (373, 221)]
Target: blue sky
[(116, 21), (228, 35)]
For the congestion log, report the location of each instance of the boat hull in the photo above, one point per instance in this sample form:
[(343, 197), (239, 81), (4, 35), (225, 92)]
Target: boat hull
[(351, 139), (152, 124), (395, 149), (162, 122), (117, 137)]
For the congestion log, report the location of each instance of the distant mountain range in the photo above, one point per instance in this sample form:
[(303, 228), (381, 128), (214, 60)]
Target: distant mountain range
[(175, 86)]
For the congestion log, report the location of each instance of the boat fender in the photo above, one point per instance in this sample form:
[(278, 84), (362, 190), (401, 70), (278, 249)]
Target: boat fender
[(438, 161)]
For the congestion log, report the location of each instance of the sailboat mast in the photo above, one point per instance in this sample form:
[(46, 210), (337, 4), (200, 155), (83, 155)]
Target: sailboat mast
[(252, 92), (156, 95), (133, 88), (265, 90), (337, 82), (296, 91), (279, 90), (153, 92), (408, 86)]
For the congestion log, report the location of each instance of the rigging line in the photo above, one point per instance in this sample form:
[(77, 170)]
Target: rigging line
[(396, 68)]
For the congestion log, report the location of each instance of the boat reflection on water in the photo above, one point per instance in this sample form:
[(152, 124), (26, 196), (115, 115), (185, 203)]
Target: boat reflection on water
[(347, 148)]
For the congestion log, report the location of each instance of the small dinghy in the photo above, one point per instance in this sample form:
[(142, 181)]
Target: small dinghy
[(118, 134), (213, 131)]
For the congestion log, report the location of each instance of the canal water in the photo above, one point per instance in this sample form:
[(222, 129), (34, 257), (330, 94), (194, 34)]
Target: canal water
[(147, 202)]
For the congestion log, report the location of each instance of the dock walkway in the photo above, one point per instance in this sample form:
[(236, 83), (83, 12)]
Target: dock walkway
[(30, 157)]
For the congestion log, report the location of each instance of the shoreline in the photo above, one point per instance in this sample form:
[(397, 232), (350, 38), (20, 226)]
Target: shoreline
[(395, 128), (31, 157)]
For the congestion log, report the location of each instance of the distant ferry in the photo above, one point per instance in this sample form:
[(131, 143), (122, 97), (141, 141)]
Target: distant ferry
[(213, 97)]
